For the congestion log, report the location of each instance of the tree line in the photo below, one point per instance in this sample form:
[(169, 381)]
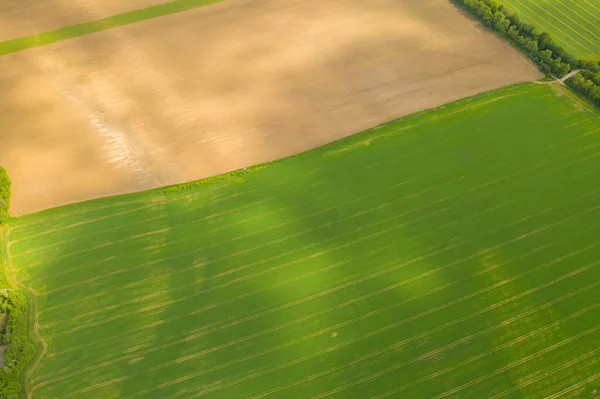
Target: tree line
[(540, 47), (587, 81), (19, 350), (4, 195)]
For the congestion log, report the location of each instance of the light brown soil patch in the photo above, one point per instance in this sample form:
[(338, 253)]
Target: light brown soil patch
[(19, 18), (230, 85)]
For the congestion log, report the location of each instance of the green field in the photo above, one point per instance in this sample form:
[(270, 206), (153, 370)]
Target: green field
[(452, 253), (574, 24)]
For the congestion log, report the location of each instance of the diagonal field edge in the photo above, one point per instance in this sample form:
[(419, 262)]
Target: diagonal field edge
[(400, 125), (114, 21)]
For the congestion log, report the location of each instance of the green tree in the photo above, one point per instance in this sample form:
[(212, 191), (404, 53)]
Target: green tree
[(4, 195)]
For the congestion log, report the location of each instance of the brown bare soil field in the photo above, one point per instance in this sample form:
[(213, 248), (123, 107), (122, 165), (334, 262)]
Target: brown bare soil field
[(225, 86), (20, 18)]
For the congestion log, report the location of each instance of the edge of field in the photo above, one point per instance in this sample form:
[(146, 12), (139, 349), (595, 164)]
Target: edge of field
[(98, 25), (337, 146), (39, 344), (525, 36), (494, 32), (355, 141), (383, 130)]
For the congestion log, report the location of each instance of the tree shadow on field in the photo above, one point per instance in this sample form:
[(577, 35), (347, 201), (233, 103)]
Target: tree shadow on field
[(321, 220), (324, 221), (240, 273)]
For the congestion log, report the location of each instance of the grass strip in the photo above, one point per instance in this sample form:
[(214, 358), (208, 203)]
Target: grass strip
[(86, 28)]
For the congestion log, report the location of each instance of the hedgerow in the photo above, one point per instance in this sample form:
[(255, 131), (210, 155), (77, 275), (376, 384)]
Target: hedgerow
[(236, 174), (540, 47), (587, 81), (19, 350), (4, 195)]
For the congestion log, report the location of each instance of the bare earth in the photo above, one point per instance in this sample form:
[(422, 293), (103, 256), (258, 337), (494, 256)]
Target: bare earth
[(229, 85)]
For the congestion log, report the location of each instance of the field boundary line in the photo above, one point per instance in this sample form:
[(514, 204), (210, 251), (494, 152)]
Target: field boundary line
[(157, 195), (204, 217), (84, 222), (207, 217), (164, 229), (469, 190), (356, 199), (448, 113), (410, 180)]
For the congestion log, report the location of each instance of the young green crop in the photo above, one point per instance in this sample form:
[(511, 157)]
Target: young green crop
[(575, 25), (452, 253)]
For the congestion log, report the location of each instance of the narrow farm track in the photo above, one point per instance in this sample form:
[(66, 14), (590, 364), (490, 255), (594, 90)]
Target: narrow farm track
[(431, 257)]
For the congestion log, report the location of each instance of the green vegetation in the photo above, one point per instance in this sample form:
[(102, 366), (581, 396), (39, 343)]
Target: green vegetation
[(540, 47), (575, 24), (19, 350), (68, 32), (452, 253), (5, 193), (587, 82), (16, 348)]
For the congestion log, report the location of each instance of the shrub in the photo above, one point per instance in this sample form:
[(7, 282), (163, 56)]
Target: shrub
[(586, 87), (19, 350)]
